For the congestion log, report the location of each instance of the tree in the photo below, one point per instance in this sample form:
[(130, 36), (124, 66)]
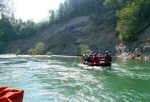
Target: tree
[(52, 16), (130, 19), (18, 51), (6, 7), (61, 11), (85, 49), (7, 28), (38, 50), (2, 6), (115, 4)]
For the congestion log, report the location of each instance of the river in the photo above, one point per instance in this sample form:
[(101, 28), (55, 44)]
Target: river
[(64, 79)]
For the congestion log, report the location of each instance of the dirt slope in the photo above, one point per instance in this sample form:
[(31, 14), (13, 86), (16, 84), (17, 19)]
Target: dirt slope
[(65, 39)]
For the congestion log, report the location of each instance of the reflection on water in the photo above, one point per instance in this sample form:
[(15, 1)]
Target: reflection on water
[(64, 79)]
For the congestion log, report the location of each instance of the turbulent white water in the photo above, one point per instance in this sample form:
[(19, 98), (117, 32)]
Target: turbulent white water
[(64, 79)]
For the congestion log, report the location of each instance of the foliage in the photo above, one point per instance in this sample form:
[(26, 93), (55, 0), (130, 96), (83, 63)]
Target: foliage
[(26, 29), (6, 7), (49, 53), (131, 18), (85, 49), (18, 51), (114, 4), (31, 51), (73, 8), (128, 21), (38, 50), (52, 17), (14, 29), (2, 46), (7, 29)]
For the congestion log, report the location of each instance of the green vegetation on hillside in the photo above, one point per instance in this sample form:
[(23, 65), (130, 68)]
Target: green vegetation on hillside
[(130, 17), (84, 49), (38, 50)]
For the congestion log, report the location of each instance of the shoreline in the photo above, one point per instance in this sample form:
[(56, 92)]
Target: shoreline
[(124, 55), (134, 56)]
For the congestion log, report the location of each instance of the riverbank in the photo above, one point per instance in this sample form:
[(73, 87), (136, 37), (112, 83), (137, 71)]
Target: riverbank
[(135, 56)]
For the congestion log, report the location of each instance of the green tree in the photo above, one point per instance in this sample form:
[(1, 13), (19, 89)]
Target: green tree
[(128, 20), (61, 11), (38, 50), (6, 7), (145, 8), (85, 49), (49, 53), (115, 4), (7, 28), (52, 16), (18, 51), (31, 51), (2, 6)]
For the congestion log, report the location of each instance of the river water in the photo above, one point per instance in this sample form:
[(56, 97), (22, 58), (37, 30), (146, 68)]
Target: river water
[(64, 79)]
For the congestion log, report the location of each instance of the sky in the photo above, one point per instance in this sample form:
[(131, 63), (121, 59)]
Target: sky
[(35, 10)]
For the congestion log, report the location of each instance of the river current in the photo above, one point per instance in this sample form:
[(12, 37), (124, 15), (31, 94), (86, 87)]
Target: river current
[(64, 79)]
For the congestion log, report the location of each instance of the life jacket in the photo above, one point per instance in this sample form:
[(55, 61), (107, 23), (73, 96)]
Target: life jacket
[(107, 58), (95, 59), (89, 59)]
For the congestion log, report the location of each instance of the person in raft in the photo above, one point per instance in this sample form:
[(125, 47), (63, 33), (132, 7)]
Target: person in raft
[(95, 59), (107, 57)]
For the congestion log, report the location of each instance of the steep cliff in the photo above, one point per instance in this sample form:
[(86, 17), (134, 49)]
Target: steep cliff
[(65, 39)]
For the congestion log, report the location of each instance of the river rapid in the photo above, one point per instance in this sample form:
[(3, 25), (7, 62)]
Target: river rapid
[(64, 79)]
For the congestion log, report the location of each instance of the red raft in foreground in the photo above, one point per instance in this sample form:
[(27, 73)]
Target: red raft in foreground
[(11, 95), (102, 63)]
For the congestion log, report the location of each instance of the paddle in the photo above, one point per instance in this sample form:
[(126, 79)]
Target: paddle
[(81, 61)]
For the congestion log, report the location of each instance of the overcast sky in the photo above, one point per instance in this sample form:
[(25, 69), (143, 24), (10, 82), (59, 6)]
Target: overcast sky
[(34, 9)]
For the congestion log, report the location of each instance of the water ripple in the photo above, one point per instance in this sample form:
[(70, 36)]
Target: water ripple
[(63, 79)]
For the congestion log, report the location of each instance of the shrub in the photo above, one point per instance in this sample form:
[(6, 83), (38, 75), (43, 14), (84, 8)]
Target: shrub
[(30, 51), (18, 51), (84, 49), (38, 50), (49, 53)]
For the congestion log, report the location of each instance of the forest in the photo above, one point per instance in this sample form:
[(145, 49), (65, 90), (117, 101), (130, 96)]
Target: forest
[(129, 16)]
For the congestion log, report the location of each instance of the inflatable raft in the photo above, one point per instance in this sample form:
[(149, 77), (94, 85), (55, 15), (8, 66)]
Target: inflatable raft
[(101, 63), (8, 94)]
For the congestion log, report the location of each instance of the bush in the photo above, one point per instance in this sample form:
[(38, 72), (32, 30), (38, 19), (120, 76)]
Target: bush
[(30, 51), (18, 51), (38, 50), (49, 53), (84, 49)]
